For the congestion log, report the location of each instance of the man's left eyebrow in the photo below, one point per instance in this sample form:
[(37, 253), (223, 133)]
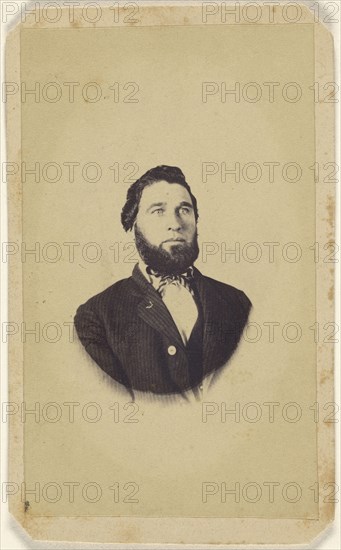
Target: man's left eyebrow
[(185, 203)]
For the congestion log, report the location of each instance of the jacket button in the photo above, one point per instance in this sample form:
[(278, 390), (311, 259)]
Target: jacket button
[(171, 350)]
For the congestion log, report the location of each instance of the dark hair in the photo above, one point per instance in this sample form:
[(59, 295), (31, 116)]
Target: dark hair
[(171, 174)]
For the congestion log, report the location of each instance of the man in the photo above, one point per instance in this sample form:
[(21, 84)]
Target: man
[(167, 327)]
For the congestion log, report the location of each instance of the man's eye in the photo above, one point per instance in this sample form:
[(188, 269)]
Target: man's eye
[(185, 210), (158, 211)]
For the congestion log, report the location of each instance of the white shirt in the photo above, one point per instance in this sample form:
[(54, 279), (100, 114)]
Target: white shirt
[(179, 302)]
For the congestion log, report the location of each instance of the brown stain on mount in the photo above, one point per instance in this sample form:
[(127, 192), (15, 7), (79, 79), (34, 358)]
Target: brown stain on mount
[(331, 294), (325, 375), (331, 211)]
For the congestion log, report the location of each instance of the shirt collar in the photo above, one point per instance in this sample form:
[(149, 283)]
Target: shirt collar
[(143, 269), (150, 278)]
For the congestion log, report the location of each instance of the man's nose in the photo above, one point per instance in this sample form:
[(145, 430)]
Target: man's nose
[(174, 222)]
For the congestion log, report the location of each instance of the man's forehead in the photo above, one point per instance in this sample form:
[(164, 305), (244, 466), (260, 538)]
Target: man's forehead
[(163, 191)]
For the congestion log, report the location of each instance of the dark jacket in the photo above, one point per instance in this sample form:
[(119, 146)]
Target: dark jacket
[(131, 335)]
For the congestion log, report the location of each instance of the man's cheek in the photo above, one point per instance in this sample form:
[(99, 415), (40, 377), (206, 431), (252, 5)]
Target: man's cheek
[(189, 227), (154, 234)]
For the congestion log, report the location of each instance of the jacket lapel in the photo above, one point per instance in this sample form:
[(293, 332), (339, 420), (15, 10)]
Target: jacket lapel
[(221, 318), (218, 323), (153, 311)]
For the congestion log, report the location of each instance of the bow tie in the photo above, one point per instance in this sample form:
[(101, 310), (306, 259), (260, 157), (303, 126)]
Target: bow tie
[(185, 279)]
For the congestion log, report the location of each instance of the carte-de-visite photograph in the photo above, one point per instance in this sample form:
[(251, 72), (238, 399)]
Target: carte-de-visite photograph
[(180, 326), (170, 173)]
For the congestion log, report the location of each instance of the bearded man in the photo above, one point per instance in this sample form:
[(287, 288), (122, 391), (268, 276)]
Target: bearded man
[(167, 328)]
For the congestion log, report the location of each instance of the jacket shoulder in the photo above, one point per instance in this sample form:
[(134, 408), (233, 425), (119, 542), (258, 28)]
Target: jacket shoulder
[(112, 295), (228, 292)]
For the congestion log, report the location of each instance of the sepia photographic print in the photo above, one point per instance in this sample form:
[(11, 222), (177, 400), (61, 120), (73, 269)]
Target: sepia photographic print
[(175, 317), (170, 173)]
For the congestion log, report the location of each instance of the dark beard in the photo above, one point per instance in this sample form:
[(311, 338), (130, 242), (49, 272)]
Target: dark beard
[(180, 257)]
